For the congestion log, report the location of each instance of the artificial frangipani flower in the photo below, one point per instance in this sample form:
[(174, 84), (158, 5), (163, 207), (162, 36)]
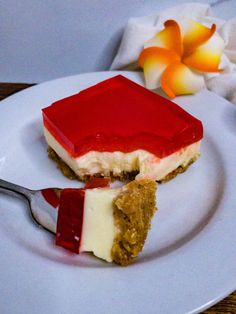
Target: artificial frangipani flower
[(177, 57)]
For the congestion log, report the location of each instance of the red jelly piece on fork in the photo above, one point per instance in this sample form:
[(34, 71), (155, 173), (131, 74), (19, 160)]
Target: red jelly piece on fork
[(70, 219)]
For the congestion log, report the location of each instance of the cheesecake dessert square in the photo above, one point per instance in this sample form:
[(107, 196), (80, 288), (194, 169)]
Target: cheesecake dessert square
[(119, 129)]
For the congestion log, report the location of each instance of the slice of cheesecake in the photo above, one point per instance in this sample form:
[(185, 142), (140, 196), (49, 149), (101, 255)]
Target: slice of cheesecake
[(112, 223), (120, 129)]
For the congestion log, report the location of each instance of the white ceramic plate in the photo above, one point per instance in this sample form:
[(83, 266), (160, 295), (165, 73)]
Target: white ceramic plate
[(189, 260)]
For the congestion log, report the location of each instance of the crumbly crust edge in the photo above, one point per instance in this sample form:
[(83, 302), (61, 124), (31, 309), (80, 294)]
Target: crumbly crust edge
[(133, 210)]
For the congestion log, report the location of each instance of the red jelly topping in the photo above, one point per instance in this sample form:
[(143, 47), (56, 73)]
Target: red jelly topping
[(70, 219), (51, 197), (97, 183), (120, 115)]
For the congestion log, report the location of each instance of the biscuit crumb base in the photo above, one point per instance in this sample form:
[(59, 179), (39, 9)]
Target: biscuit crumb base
[(180, 169), (65, 169), (133, 210), (124, 176)]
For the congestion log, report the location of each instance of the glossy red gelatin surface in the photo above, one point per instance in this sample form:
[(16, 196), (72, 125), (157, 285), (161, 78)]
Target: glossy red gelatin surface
[(70, 219), (51, 197), (97, 183), (120, 115)]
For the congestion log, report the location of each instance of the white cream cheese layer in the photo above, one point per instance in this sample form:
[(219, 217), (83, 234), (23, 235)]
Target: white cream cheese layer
[(148, 165), (99, 228)]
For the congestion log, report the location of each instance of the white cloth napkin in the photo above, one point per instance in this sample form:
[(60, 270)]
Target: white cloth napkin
[(141, 29)]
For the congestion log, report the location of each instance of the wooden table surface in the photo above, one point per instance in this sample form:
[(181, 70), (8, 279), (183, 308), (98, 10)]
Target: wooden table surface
[(228, 305)]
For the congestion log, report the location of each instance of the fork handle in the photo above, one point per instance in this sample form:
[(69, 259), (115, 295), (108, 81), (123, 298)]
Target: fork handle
[(11, 188)]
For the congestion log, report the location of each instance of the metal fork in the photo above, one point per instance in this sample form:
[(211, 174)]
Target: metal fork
[(43, 212)]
